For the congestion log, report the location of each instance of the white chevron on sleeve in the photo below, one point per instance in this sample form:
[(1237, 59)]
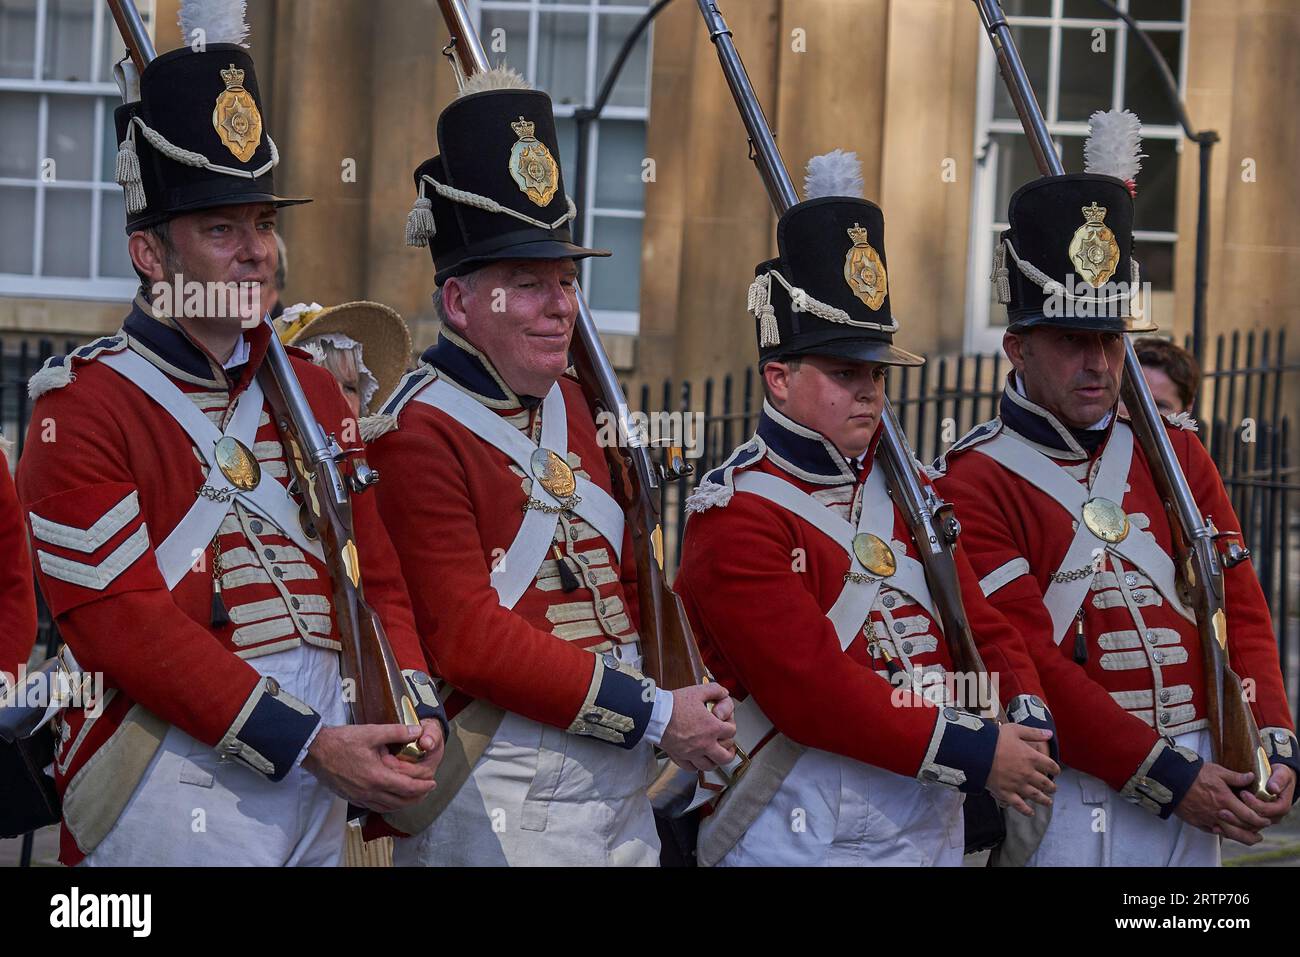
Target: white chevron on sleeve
[(88, 539), (98, 576)]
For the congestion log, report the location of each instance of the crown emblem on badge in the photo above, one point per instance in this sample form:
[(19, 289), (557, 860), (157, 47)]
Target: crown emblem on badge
[(1093, 214), (864, 271), (236, 118), (532, 166), (1093, 249)]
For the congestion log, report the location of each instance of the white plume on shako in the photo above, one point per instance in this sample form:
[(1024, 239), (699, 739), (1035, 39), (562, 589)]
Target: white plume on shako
[(1114, 146), (837, 173)]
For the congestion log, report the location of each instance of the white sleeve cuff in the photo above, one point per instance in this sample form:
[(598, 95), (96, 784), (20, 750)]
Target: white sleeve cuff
[(302, 755), (660, 715)]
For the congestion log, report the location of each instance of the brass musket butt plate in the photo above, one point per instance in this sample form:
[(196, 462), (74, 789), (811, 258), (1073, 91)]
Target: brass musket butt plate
[(410, 751)]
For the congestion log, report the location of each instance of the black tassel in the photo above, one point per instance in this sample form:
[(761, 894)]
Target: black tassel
[(568, 580), (891, 664), (1080, 642), (219, 616)]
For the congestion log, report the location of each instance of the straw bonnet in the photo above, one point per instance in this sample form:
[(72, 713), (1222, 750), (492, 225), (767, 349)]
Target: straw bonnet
[(385, 341)]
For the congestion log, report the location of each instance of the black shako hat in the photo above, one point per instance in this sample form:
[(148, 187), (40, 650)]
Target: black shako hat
[(1067, 258), (828, 292), (495, 191), (195, 138)]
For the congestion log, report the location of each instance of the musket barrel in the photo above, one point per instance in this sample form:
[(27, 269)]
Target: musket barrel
[(766, 154), (133, 31), (467, 41), (1019, 87)]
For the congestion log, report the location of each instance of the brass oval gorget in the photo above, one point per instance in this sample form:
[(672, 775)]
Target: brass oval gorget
[(237, 463)]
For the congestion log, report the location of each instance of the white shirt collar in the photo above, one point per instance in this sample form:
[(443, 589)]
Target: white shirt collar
[(239, 356)]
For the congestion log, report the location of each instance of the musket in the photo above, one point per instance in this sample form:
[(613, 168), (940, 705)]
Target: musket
[(669, 652), (931, 521), (1234, 734), (367, 663)]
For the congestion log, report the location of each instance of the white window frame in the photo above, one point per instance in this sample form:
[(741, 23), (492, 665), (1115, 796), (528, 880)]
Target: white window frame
[(625, 322), (981, 334), (35, 285)]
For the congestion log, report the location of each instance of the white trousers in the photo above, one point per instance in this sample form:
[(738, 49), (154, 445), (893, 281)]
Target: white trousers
[(1092, 826), (540, 796), (835, 811), (192, 809)]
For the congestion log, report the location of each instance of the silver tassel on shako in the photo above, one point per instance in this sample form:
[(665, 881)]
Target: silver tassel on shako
[(760, 305), (128, 174)]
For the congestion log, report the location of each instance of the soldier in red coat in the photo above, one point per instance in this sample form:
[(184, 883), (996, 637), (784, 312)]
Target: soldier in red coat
[(170, 547), (857, 741), (520, 568), (17, 593), (1072, 542)]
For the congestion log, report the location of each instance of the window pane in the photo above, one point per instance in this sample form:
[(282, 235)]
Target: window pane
[(1157, 185), (1157, 263), (616, 281), (1027, 8), (1070, 149), (111, 50), (1086, 9), (1156, 9), (623, 3), (1014, 167), (17, 223), (67, 233), (632, 88), (71, 136), (1032, 42), (618, 164), (108, 142), (562, 57), (566, 131), (1087, 75), (18, 38), (113, 259), (510, 45), (18, 147), (1144, 89), (69, 30)]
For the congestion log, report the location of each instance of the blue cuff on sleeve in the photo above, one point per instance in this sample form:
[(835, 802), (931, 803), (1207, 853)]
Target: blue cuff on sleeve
[(1164, 778), (426, 700), (270, 731), (1281, 748), (618, 705), (1032, 712), (961, 751)]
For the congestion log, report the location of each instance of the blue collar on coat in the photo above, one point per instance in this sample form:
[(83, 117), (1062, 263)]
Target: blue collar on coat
[(471, 370), (160, 340), (805, 453), (1042, 429)]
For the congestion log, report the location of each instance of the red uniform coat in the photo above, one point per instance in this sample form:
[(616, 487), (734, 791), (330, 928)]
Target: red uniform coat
[(105, 477), (757, 582), (453, 505), (1134, 687), (17, 590)]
